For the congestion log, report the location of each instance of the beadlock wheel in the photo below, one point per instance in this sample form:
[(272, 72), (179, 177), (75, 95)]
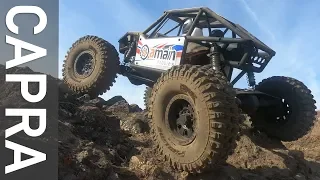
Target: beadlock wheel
[(91, 66), (296, 114), (194, 118)]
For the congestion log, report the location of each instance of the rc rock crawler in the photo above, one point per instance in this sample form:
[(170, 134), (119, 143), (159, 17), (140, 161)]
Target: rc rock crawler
[(186, 59)]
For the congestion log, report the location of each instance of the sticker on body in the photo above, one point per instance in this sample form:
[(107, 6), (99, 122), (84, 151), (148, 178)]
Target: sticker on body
[(161, 53)]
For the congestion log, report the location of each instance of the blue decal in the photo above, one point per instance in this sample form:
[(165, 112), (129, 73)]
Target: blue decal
[(177, 47)]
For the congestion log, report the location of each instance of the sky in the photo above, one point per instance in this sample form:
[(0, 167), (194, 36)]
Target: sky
[(287, 26)]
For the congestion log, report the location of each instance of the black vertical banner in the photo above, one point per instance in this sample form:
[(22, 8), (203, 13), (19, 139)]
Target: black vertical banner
[(29, 89)]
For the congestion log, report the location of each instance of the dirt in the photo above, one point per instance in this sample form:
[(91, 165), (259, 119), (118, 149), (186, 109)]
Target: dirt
[(256, 157), (109, 139)]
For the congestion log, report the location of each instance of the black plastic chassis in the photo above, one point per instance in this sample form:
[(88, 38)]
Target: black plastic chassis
[(257, 55)]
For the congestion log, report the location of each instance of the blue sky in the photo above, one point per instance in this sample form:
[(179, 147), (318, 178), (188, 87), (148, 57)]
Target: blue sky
[(287, 26)]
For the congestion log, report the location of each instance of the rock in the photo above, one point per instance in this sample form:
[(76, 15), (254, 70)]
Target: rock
[(70, 177), (315, 178), (94, 142), (135, 123), (99, 158), (87, 101), (136, 162), (89, 114), (114, 100), (84, 98), (82, 155), (250, 176), (98, 102), (120, 107), (140, 126), (122, 150), (64, 113), (136, 126), (296, 154), (134, 108), (300, 177), (87, 138), (63, 88), (154, 170), (143, 168), (113, 176), (94, 125)]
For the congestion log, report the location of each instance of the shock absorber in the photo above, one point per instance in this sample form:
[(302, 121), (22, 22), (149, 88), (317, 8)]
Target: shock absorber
[(251, 79), (129, 53), (215, 57)]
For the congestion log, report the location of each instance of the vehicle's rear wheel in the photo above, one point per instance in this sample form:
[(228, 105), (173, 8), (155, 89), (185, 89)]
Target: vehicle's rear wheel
[(294, 118), (193, 118), (91, 66)]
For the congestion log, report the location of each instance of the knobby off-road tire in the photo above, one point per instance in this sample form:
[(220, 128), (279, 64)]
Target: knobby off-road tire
[(218, 75), (147, 94), (301, 109), (216, 114), (102, 71)]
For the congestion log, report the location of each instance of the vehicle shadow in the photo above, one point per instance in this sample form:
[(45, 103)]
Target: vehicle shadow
[(304, 169), (296, 166)]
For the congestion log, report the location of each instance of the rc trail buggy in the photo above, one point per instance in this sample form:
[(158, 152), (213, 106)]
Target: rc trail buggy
[(186, 59)]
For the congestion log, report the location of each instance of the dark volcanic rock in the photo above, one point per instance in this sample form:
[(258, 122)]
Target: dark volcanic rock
[(98, 102), (135, 123), (114, 100), (110, 140), (134, 108), (93, 124), (120, 107), (88, 138)]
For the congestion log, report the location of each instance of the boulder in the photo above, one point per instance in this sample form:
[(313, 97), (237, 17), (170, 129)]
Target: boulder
[(134, 108)]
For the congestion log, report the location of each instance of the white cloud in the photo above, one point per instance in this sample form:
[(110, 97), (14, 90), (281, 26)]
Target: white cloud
[(256, 19), (295, 52)]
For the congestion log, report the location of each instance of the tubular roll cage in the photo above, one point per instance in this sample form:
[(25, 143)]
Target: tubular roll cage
[(256, 52)]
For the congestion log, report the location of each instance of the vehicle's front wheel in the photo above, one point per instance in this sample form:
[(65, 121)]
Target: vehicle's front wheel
[(91, 66), (294, 118), (194, 118)]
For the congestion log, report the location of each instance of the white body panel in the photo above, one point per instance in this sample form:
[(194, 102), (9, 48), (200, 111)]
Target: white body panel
[(160, 53)]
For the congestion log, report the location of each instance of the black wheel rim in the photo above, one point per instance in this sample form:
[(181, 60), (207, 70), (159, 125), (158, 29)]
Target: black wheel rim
[(279, 114), (84, 64), (283, 117), (181, 119)]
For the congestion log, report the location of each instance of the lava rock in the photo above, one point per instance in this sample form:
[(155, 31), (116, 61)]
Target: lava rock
[(135, 123), (114, 100), (300, 177), (134, 108), (121, 107), (84, 98), (98, 102)]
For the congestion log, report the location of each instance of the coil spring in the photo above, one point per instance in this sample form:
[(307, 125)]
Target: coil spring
[(215, 57), (251, 79)]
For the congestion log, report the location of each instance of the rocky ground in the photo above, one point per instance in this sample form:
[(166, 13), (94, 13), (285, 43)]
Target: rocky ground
[(109, 140), (112, 141)]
